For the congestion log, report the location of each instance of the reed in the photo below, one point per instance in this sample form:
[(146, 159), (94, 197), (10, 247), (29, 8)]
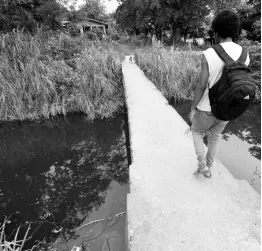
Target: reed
[(175, 72), (50, 74), (16, 244)]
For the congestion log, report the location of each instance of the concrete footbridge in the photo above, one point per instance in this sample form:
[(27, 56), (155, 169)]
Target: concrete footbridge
[(169, 208)]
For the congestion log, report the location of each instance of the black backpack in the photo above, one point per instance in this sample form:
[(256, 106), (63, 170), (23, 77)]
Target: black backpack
[(235, 90)]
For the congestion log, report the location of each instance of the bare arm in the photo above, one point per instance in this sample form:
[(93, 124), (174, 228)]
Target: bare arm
[(201, 87)]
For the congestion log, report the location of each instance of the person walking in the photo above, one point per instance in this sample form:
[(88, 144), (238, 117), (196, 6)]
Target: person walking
[(225, 28)]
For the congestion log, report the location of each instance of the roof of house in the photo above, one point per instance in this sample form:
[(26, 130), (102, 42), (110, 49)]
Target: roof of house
[(85, 20), (96, 21)]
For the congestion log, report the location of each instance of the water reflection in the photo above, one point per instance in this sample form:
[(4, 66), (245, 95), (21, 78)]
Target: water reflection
[(56, 172), (240, 149), (247, 128)]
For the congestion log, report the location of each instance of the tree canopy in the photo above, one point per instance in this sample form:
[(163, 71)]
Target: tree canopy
[(94, 9), (29, 13), (250, 15), (182, 17)]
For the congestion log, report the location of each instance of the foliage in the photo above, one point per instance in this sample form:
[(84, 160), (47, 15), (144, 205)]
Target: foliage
[(49, 14), (95, 34), (181, 17), (113, 33), (94, 9), (28, 14), (174, 72), (250, 16), (254, 49), (219, 5), (256, 30), (51, 73)]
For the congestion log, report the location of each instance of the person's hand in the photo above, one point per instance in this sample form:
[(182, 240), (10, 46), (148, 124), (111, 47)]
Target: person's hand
[(192, 114)]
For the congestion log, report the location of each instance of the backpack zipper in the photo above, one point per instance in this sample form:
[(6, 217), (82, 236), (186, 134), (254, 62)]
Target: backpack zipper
[(233, 88)]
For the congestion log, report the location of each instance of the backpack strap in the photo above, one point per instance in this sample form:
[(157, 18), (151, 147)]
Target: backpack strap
[(243, 56), (222, 54)]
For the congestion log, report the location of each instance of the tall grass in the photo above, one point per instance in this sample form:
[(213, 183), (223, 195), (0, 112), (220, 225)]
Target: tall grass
[(15, 244), (174, 72), (50, 74)]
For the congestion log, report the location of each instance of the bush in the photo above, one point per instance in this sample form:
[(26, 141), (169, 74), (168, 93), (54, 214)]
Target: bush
[(46, 75), (254, 49), (73, 31), (113, 34), (174, 72), (256, 30), (95, 34)]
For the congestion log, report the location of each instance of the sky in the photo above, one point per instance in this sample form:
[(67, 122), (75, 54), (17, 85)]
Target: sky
[(110, 5)]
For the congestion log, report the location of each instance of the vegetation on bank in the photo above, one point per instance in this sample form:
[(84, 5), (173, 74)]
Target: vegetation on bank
[(52, 73), (175, 71)]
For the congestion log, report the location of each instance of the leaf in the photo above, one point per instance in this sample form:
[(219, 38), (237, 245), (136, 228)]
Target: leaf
[(75, 248), (57, 230)]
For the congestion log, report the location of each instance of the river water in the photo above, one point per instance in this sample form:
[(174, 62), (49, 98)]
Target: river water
[(240, 147), (63, 173), (60, 174)]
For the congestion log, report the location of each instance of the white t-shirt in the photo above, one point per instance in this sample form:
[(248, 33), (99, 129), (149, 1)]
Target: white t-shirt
[(215, 65)]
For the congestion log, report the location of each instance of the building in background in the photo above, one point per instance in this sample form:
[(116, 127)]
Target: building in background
[(87, 25)]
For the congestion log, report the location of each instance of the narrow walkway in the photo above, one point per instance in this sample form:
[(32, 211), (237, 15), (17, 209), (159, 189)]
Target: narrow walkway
[(169, 208)]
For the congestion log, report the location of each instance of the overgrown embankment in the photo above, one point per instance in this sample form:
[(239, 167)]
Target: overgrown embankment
[(50, 74), (176, 72)]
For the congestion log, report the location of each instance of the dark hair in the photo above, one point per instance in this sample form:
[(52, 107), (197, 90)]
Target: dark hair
[(226, 24)]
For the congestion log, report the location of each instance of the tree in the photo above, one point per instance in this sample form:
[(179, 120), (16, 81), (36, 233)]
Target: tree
[(50, 14), (158, 15), (28, 14), (256, 30), (94, 9), (250, 16), (180, 16), (218, 5), (14, 14)]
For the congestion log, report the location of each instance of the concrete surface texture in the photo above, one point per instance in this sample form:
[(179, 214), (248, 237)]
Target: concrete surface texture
[(168, 207)]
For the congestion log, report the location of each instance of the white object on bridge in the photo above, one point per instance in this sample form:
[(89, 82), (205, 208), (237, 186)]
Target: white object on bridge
[(169, 208), (130, 59)]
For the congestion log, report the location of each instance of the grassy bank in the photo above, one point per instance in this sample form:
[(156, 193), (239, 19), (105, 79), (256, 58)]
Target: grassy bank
[(50, 74), (175, 72)]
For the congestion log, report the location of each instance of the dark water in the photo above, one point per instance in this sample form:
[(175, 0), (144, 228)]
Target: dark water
[(60, 174), (240, 147)]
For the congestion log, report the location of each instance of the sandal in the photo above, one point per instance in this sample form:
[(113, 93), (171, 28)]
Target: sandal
[(207, 174), (203, 170)]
